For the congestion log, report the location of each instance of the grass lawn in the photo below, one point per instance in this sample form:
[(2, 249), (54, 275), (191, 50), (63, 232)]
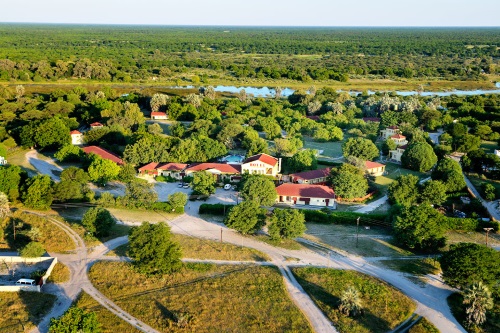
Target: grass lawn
[(394, 171), (417, 267), (198, 248), (373, 242), (288, 244), (478, 182), (423, 326), (492, 324), (489, 146), (17, 156), (23, 310), (110, 323), (330, 149), (454, 237), (384, 307), (51, 236), (60, 274), (203, 298)]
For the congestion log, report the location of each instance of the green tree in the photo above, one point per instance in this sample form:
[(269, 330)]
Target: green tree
[(303, 160), (203, 183), (450, 173), (433, 192), (152, 249), (32, 250), (102, 170), (420, 228), (38, 192), (387, 146), (466, 263), (361, 148), (467, 143), (69, 153), (258, 188), (127, 173), (350, 302), (140, 194), (73, 185), (3, 150), (348, 181), (479, 300), (11, 178), (489, 191), (98, 222), (4, 206), (75, 320), (404, 190), (419, 156), (177, 200), (286, 224), (246, 217)]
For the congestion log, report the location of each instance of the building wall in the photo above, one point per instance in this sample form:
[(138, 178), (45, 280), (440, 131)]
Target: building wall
[(396, 155), (318, 202), (376, 171), (77, 139), (388, 132), (258, 167)]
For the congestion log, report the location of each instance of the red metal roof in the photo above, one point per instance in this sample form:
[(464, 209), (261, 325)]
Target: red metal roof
[(372, 165), (96, 124), (222, 167), (173, 166), (103, 153), (372, 119), (75, 132), (157, 113), (316, 118), (268, 159), (149, 167), (312, 174), (305, 191), (393, 127), (398, 136)]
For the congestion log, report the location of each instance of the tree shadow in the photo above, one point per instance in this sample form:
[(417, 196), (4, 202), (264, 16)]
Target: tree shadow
[(167, 314), (37, 305)]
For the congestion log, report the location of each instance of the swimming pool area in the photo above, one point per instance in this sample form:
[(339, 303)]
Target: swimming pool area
[(233, 159)]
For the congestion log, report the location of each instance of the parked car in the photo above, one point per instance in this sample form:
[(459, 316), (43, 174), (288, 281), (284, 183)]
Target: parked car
[(185, 185), (180, 185), (227, 187)]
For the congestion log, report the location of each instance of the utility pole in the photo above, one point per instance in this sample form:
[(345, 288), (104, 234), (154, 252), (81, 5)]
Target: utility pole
[(221, 235), (357, 231), (487, 232)]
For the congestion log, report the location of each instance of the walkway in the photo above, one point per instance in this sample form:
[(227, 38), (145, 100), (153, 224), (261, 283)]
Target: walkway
[(491, 206)]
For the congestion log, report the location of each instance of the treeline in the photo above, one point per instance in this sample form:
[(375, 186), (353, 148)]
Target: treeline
[(51, 52)]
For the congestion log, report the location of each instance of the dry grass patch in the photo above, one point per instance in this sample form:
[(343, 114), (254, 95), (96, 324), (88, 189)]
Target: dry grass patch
[(22, 311), (199, 248), (288, 244), (384, 307), (423, 326), (414, 266), (60, 274), (203, 298), (53, 238), (110, 323)]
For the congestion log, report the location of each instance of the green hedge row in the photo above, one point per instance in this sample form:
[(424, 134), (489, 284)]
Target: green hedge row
[(343, 217), (469, 224), (214, 209)]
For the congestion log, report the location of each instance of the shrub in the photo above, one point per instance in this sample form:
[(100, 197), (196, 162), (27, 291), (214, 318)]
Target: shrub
[(32, 250), (214, 209), (342, 217)]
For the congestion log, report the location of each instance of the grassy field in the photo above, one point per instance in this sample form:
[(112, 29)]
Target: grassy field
[(60, 274), (330, 149), (472, 237), (288, 244), (478, 182), (384, 307), (489, 146), (197, 248), (52, 237), (492, 324), (22, 311), (203, 298), (110, 323), (417, 267), (373, 242), (394, 171), (423, 326)]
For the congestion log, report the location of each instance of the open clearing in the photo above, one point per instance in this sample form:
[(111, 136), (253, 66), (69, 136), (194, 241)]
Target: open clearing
[(373, 242), (330, 149), (394, 171), (203, 298), (384, 307)]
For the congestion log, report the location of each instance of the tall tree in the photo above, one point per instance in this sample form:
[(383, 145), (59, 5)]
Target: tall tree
[(361, 148), (246, 217), (203, 183), (348, 181), (479, 300), (38, 192), (98, 221), (419, 156), (259, 188), (404, 190), (152, 249), (303, 160), (75, 320), (102, 170), (286, 224)]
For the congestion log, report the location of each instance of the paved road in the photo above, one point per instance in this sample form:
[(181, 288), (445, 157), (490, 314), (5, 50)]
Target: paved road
[(491, 206), (372, 205), (45, 167)]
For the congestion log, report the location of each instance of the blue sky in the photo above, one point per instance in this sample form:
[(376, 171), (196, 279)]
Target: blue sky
[(257, 12)]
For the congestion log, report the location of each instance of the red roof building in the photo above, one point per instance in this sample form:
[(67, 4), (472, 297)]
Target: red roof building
[(75, 132), (103, 153), (96, 125), (262, 164), (315, 118), (173, 166), (268, 159), (310, 177), (374, 168), (371, 119), (398, 136), (158, 115), (306, 194), (220, 170), (149, 169)]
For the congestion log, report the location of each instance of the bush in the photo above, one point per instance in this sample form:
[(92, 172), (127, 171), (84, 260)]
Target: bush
[(459, 224), (32, 250), (166, 207), (214, 209), (342, 217)]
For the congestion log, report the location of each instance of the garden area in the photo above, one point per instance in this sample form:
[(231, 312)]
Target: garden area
[(203, 298)]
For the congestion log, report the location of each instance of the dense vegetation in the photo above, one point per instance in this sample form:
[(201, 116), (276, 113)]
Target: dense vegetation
[(125, 53)]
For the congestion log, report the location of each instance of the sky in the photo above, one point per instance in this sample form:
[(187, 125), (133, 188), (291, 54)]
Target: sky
[(256, 12)]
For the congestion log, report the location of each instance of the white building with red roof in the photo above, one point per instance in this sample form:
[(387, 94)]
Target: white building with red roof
[(96, 125), (76, 138), (310, 177), (158, 115), (174, 170), (389, 131), (374, 168), (399, 139), (306, 194), (221, 171), (262, 164), (395, 155), (103, 153)]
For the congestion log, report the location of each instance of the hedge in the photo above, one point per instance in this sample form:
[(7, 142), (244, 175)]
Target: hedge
[(343, 217), (461, 224), (214, 209)]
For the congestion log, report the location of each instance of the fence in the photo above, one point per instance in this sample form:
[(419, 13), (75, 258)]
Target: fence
[(17, 259)]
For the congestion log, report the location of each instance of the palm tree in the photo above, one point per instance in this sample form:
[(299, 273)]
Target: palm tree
[(350, 302), (479, 299)]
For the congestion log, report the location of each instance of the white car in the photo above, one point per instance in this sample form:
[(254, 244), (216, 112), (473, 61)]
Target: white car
[(227, 187)]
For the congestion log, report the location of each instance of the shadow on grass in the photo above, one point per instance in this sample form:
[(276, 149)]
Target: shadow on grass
[(37, 305), (167, 314)]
